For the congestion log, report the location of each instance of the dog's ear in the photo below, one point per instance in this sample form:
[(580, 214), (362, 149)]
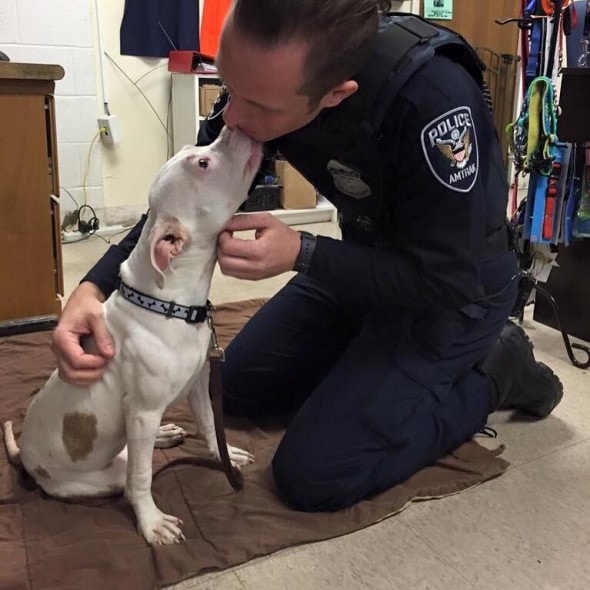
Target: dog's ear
[(167, 239)]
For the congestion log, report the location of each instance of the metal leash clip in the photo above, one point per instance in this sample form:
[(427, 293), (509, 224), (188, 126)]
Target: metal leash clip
[(214, 349), (583, 59)]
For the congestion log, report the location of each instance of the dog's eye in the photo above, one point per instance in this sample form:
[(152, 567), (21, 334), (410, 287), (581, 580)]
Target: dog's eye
[(203, 163)]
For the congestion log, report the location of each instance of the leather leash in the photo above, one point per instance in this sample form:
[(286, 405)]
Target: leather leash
[(216, 360)]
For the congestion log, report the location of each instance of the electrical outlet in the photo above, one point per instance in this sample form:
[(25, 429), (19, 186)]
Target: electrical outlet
[(110, 131)]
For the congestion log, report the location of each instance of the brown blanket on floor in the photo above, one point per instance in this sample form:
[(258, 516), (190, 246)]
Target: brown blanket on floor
[(48, 544)]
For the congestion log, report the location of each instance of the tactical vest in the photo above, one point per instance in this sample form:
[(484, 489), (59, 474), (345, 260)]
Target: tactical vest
[(347, 138)]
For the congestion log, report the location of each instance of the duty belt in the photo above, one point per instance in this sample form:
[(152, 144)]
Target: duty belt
[(363, 231), (498, 242)]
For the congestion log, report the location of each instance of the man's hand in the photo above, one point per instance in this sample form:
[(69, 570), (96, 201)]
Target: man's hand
[(82, 316), (272, 252)]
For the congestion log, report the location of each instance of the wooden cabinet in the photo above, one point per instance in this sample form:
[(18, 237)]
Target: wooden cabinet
[(30, 239)]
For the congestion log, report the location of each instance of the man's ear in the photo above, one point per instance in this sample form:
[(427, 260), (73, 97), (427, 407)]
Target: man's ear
[(339, 93)]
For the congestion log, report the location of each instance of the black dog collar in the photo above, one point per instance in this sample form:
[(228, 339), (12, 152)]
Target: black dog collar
[(191, 314)]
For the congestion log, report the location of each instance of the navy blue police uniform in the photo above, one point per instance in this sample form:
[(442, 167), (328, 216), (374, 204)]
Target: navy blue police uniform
[(376, 349)]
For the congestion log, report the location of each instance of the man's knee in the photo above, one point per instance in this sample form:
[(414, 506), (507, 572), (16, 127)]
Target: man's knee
[(300, 487), (318, 481)]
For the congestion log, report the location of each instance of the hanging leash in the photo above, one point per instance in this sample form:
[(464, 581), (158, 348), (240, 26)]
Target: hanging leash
[(532, 137), (557, 8), (216, 360), (583, 60)]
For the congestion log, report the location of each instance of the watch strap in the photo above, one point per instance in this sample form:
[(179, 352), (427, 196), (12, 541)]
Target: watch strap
[(306, 250)]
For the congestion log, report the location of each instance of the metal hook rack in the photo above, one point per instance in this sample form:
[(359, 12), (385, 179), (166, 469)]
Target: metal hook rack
[(525, 23), (569, 346), (527, 283)]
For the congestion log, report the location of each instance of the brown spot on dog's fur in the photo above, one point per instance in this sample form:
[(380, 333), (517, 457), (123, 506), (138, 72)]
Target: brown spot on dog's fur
[(79, 434), (94, 499), (41, 473)]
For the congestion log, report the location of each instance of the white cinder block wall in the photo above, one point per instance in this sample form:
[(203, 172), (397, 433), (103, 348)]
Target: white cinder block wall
[(64, 32), (61, 32)]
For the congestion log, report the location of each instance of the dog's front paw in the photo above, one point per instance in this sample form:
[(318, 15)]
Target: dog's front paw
[(164, 530), (239, 457)]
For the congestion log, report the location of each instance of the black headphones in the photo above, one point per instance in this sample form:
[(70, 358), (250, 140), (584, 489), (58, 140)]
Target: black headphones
[(3, 56)]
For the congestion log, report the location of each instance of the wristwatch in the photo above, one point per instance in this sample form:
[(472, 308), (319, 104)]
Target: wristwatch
[(306, 251)]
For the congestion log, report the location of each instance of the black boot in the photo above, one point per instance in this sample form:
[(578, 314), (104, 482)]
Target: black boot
[(518, 382)]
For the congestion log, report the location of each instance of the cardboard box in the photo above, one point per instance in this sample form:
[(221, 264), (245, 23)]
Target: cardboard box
[(207, 96), (296, 192)]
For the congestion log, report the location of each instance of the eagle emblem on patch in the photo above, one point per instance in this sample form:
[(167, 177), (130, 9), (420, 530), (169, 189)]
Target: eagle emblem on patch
[(449, 143)]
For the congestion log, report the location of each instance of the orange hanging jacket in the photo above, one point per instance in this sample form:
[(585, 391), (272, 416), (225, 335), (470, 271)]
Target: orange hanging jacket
[(214, 13)]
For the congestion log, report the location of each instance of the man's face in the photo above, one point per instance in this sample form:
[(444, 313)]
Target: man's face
[(263, 86)]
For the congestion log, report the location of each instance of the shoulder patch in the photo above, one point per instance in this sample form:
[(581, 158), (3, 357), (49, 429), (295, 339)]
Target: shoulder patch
[(449, 143)]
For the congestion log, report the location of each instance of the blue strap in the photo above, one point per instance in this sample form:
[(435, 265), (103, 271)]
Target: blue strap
[(535, 52), (532, 69)]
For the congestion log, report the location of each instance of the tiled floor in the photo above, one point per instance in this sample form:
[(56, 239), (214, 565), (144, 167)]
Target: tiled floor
[(528, 529)]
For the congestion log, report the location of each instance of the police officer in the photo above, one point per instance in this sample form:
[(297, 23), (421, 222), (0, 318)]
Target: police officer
[(390, 347)]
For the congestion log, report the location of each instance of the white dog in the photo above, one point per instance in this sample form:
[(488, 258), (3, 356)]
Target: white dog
[(96, 441)]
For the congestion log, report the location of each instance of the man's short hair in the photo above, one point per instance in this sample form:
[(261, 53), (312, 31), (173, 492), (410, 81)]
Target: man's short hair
[(339, 33)]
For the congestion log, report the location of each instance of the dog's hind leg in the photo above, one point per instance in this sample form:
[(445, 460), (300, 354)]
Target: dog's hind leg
[(169, 435), (109, 481)]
